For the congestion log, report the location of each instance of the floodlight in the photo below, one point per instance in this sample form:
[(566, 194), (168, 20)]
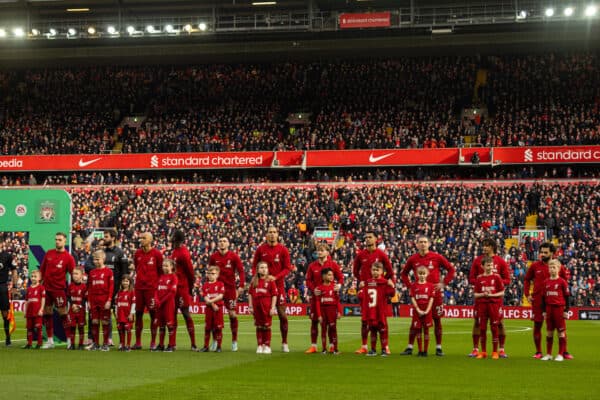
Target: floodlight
[(590, 10)]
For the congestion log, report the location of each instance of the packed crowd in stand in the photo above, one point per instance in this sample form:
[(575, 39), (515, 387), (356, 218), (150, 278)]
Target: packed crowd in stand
[(456, 217), (549, 99)]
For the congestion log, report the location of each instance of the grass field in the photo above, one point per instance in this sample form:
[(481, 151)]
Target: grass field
[(61, 374)]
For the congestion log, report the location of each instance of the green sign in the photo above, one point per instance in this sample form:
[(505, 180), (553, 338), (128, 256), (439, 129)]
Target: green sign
[(42, 213)]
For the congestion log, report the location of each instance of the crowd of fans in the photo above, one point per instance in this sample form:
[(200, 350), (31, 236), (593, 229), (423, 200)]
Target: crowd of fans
[(456, 217), (549, 99)]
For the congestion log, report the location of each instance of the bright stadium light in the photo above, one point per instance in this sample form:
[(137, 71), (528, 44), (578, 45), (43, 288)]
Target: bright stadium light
[(2, 32), (91, 30), (590, 10), (187, 28), (111, 30), (35, 32), (549, 12), (202, 26), (568, 11), (169, 28), (130, 30), (19, 32), (71, 32), (52, 32), (522, 14), (150, 29)]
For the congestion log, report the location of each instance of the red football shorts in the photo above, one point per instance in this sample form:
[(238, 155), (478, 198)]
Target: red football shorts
[(488, 311), (537, 313), (555, 318), (213, 319), (419, 322), (165, 315), (143, 299), (329, 313), (56, 298), (262, 312), (230, 298), (182, 298)]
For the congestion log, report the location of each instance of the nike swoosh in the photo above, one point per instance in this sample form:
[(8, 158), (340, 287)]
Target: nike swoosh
[(86, 163), (375, 159)]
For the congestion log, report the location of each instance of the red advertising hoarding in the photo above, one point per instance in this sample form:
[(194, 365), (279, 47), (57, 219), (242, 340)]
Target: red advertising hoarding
[(522, 313), (366, 20), (304, 159), (547, 155)]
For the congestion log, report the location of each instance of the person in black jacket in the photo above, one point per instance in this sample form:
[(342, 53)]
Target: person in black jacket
[(8, 270)]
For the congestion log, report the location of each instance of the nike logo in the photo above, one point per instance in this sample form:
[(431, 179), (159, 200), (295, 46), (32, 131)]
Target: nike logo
[(375, 159), (86, 163)]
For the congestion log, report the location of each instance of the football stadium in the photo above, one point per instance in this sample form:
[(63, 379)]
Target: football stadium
[(324, 199)]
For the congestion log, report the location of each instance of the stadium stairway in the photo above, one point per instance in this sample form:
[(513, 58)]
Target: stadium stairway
[(531, 221), (511, 242), (480, 80)]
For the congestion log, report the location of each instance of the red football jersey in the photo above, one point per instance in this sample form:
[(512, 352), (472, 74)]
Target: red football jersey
[(556, 292), (500, 268), (77, 293), (365, 259), (537, 273), (488, 283), (278, 259), (54, 268), (263, 290), (101, 284), (148, 267), (228, 264), (329, 297), (184, 267), (34, 298), (166, 289), (374, 300), (434, 262), (210, 290), (125, 301), (422, 292), (313, 273)]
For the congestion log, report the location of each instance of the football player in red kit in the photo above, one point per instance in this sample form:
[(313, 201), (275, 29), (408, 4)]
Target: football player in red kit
[(229, 264), (55, 266), (164, 304), (185, 282), (148, 267), (435, 263), (277, 257), (100, 293), (555, 303), (313, 280), (363, 262), (489, 286), (537, 273), (376, 292)]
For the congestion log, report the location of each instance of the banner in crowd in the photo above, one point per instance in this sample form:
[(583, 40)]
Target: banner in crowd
[(301, 159), (405, 311), (365, 20)]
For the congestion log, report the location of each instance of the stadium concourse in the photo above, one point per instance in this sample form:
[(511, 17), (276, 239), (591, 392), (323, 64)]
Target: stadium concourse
[(546, 99), (455, 215)]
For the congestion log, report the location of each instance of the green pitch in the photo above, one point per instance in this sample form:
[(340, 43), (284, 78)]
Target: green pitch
[(64, 375)]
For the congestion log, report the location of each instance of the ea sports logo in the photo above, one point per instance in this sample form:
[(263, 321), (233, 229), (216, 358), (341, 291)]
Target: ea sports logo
[(20, 210)]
